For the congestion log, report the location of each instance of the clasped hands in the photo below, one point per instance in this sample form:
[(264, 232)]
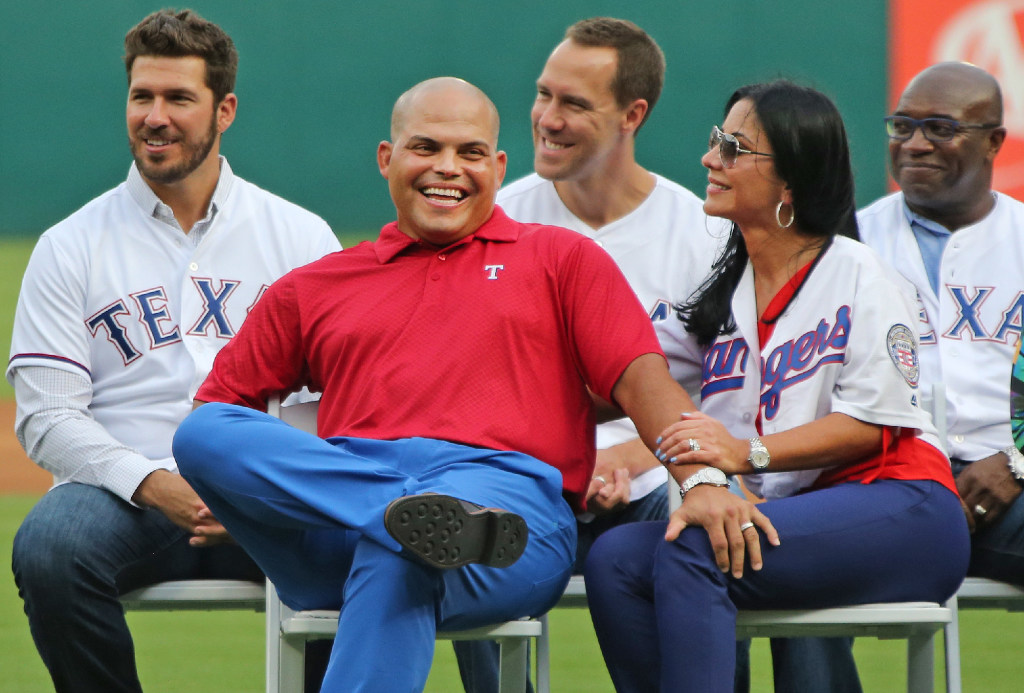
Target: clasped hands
[(616, 466), (175, 498), (732, 523)]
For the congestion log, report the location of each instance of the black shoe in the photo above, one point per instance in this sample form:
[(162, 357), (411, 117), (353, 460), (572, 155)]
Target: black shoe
[(446, 532)]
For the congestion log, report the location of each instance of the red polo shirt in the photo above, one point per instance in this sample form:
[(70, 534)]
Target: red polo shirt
[(489, 342)]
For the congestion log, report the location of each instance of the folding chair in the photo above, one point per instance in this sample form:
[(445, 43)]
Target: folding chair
[(917, 622), (975, 593), (981, 593), (289, 630), (197, 595)]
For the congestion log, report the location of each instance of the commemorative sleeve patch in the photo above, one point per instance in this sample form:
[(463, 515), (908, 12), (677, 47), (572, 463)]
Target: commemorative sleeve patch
[(902, 347)]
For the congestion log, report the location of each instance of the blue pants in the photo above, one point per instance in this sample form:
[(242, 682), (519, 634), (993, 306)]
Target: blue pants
[(850, 544), (311, 514), (479, 659), (77, 550)]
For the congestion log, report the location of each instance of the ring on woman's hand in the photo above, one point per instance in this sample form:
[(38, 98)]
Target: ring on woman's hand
[(745, 526), (601, 479), (694, 445), (980, 510)]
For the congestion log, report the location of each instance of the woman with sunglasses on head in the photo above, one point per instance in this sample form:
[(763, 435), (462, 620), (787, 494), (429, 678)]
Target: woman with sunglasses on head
[(810, 391)]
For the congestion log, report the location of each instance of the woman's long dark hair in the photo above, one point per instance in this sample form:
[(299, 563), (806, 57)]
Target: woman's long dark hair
[(812, 157)]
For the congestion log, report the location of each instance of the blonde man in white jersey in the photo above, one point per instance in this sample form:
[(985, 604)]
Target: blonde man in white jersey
[(123, 307), (597, 89), (595, 92)]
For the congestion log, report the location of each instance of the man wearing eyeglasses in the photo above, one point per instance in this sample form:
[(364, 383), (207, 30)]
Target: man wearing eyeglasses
[(960, 244)]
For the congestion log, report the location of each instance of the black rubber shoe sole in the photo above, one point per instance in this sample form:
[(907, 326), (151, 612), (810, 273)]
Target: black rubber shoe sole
[(445, 532)]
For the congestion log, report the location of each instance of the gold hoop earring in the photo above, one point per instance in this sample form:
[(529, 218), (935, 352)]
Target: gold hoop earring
[(778, 218)]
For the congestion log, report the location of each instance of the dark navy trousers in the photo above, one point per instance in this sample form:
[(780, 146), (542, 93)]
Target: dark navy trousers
[(665, 615)]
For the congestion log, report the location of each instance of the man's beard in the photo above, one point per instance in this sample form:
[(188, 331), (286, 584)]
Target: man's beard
[(194, 155)]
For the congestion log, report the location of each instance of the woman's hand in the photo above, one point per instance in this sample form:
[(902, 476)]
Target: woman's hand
[(714, 446), (722, 514)]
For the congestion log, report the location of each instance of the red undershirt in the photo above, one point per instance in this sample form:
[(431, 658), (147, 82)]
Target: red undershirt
[(903, 455)]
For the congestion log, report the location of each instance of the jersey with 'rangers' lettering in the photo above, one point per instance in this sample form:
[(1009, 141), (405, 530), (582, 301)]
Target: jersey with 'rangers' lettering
[(127, 300), (845, 343), (969, 328)]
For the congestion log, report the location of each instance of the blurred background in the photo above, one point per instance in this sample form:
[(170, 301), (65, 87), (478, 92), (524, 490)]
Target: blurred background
[(317, 80)]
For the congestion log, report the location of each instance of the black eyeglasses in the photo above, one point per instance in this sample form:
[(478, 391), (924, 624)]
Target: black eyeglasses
[(728, 147), (902, 128)]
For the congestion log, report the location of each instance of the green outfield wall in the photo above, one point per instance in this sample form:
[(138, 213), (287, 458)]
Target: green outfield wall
[(317, 80)]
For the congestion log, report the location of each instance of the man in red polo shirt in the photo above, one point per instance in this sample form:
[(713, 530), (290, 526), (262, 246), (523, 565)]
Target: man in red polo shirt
[(454, 355)]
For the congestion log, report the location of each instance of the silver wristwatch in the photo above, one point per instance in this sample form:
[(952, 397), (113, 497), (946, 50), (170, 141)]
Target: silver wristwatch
[(708, 475), (759, 457), (1016, 462)]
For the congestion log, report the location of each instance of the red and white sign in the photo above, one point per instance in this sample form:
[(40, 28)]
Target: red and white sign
[(986, 33)]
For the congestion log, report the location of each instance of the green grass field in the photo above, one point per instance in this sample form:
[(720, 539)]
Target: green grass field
[(222, 652)]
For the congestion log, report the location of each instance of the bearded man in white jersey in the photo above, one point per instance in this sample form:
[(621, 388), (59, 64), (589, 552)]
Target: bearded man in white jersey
[(123, 307)]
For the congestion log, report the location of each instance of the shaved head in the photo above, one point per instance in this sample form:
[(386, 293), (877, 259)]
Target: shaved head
[(407, 102), (965, 86), (443, 165)]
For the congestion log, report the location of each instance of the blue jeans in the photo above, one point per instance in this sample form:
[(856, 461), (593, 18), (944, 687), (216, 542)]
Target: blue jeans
[(997, 552), (478, 659), (804, 665), (76, 551), (849, 544), (311, 514)]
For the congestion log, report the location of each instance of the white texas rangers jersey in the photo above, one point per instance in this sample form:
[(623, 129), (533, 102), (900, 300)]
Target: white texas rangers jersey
[(846, 343), (970, 327), (664, 247), (128, 301)]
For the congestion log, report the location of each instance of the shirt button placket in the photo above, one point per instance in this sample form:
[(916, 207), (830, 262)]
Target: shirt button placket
[(441, 257)]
